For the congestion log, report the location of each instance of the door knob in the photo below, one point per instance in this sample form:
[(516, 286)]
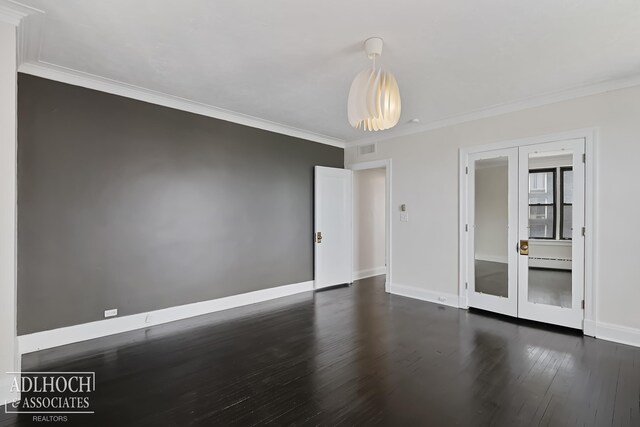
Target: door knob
[(319, 237), (524, 247)]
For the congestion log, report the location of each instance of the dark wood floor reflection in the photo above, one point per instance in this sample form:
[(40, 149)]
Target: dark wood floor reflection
[(352, 355), (546, 286)]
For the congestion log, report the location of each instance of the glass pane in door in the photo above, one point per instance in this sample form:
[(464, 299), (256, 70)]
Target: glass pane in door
[(542, 195), (491, 226), (567, 203), (550, 231)]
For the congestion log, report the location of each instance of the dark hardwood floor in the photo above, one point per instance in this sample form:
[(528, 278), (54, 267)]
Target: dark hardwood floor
[(351, 356)]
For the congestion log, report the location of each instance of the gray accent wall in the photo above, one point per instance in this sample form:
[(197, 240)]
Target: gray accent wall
[(129, 205)]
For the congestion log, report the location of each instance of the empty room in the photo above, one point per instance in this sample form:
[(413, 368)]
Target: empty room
[(239, 213)]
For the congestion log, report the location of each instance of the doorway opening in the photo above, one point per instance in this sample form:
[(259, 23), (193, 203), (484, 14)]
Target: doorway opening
[(372, 220), (369, 235)]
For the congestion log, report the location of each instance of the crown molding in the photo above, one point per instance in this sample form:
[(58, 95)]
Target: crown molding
[(29, 37), (537, 101), (91, 81), (13, 12)]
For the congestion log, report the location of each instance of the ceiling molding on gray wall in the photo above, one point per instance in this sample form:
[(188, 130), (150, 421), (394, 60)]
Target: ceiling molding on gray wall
[(538, 101), (90, 81), (78, 78), (12, 12), (29, 38)]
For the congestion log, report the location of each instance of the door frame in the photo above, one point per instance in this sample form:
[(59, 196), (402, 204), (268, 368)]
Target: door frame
[(590, 136), (378, 164)]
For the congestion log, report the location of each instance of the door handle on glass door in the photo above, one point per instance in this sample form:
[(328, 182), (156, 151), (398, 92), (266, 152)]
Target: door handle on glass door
[(524, 247)]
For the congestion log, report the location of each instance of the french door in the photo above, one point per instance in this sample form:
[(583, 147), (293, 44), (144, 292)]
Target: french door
[(493, 231), (525, 216)]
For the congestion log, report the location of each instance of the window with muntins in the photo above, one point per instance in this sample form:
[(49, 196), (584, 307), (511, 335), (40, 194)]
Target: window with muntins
[(550, 196), (542, 204)]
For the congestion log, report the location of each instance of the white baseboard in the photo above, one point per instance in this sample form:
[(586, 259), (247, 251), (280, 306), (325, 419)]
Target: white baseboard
[(422, 294), (492, 258), (370, 272), (617, 333), (86, 331)]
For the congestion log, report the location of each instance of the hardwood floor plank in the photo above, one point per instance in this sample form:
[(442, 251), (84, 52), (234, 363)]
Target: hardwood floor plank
[(351, 356)]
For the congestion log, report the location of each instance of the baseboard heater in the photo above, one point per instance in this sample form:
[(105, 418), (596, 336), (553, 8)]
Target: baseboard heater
[(550, 263)]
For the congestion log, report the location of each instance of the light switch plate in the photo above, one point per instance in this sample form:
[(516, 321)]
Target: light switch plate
[(404, 216)]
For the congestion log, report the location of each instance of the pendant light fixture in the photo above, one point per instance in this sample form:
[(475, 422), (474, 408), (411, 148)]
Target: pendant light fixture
[(374, 98)]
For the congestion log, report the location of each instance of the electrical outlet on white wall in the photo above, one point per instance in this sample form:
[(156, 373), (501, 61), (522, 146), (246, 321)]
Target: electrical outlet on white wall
[(111, 313)]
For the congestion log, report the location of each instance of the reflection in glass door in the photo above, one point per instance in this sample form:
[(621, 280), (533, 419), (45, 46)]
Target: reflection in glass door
[(492, 216), (551, 245)]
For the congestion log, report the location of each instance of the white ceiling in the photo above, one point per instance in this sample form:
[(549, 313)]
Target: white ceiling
[(292, 62)]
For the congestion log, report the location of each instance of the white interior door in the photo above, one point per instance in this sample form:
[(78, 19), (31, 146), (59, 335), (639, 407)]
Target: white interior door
[(333, 235), (492, 230), (551, 211)]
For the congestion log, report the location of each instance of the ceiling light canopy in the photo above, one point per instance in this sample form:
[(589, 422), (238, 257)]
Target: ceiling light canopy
[(374, 98)]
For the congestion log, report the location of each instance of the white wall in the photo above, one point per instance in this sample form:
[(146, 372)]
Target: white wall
[(492, 210), (8, 348), (369, 222), (425, 176)]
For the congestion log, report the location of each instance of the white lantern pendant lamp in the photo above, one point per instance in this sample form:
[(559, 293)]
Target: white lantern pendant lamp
[(374, 98)]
